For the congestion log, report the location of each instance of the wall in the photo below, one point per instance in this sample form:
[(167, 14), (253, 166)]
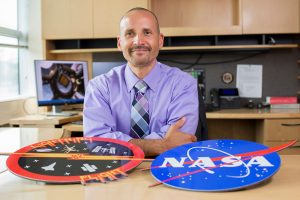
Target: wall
[(280, 67), (15, 108), (35, 48)]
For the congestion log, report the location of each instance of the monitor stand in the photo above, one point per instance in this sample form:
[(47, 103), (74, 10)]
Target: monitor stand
[(56, 111)]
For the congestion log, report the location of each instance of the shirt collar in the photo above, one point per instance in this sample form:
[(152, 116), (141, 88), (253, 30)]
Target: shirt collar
[(151, 79)]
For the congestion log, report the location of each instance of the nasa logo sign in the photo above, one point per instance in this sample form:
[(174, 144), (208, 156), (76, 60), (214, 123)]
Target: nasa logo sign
[(216, 165)]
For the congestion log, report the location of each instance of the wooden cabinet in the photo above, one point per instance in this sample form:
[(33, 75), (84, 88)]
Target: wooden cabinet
[(78, 19), (270, 16), (274, 132), (227, 17), (75, 29), (107, 15), (198, 17), (269, 127), (67, 19), (279, 131)]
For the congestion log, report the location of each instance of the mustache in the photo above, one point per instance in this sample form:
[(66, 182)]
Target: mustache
[(139, 47)]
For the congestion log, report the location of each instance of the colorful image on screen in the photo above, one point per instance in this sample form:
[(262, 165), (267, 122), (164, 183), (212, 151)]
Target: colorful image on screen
[(60, 82)]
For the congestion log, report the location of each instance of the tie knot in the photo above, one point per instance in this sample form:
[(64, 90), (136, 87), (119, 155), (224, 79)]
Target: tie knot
[(141, 86)]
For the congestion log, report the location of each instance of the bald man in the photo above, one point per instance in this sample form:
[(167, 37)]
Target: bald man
[(144, 101)]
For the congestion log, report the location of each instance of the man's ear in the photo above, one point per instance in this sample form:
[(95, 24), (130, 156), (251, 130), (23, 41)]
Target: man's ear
[(161, 40), (119, 43)]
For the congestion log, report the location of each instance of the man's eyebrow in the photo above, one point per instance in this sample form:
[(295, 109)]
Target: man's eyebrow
[(147, 29), (129, 30)]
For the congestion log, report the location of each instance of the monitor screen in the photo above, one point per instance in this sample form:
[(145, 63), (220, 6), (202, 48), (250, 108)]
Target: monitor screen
[(60, 82)]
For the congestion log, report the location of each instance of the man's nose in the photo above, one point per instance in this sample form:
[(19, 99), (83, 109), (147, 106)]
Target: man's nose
[(139, 39)]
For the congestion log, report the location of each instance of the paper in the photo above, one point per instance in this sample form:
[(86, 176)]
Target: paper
[(249, 80)]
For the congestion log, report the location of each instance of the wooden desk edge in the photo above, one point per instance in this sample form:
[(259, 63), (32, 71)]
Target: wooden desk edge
[(254, 114)]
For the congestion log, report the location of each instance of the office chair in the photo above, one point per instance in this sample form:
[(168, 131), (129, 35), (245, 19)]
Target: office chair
[(202, 130)]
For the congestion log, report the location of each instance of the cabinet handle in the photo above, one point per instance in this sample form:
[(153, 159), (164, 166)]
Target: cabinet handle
[(290, 124)]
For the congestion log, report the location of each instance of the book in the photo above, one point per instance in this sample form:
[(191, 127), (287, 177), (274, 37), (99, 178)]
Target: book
[(286, 106), (282, 100)]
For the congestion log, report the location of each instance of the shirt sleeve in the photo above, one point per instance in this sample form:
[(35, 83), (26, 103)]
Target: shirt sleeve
[(97, 117), (184, 103)]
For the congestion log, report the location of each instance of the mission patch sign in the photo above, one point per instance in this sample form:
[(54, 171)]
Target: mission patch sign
[(216, 165), (74, 160)]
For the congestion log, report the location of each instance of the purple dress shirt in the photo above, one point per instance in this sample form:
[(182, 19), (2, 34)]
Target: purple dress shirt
[(172, 94)]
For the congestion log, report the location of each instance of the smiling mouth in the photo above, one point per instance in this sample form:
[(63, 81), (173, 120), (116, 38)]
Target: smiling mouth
[(140, 52), (140, 48)]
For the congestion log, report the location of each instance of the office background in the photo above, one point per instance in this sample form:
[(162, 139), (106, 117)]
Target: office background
[(280, 67)]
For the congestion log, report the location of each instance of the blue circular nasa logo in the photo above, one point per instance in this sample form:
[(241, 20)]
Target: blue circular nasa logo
[(216, 165)]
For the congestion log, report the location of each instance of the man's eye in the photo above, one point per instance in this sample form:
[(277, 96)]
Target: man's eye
[(129, 34), (147, 32)]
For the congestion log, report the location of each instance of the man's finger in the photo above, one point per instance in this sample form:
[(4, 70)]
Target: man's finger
[(194, 138)]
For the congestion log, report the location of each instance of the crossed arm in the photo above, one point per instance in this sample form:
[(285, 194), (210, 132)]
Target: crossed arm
[(173, 138)]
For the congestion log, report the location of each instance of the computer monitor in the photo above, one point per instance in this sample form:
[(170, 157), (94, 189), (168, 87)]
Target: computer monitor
[(60, 83)]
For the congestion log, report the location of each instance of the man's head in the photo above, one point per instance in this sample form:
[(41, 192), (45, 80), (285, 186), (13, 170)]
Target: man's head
[(140, 38)]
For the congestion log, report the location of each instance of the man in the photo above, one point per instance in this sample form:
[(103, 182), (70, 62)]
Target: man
[(144, 102)]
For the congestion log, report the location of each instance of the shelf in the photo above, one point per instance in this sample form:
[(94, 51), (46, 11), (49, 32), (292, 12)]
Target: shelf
[(178, 48), (97, 50), (231, 47), (184, 43)]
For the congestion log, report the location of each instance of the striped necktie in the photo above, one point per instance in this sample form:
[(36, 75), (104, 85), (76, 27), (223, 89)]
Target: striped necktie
[(140, 112)]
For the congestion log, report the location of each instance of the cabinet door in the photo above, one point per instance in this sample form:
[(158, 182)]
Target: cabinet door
[(281, 130), (67, 19), (198, 17), (270, 16), (107, 15)]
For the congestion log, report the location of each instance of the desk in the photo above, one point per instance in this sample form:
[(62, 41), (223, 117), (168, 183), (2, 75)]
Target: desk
[(268, 126), (70, 129), (43, 121), (284, 184)]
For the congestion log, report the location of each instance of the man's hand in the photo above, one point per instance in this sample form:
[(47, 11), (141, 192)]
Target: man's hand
[(174, 137)]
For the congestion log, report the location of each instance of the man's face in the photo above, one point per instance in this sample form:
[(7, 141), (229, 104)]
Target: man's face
[(139, 39)]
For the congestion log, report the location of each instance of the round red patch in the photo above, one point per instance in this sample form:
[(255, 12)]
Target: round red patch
[(71, 160)]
